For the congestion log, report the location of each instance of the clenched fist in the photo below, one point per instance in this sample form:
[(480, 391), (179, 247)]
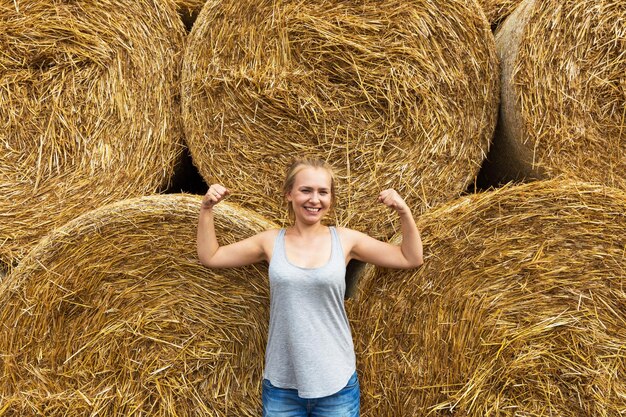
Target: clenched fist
[(391, 198), (214, 195)]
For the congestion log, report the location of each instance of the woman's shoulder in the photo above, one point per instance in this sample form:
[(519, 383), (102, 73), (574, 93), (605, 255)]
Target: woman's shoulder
[(349, 237), (266, 240), (347, 232)]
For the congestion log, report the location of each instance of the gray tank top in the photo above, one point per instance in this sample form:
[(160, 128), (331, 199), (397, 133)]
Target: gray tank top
[(309, 347)]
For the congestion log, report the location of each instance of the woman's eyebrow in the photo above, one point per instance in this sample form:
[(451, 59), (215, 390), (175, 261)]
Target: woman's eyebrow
[(303, 187)]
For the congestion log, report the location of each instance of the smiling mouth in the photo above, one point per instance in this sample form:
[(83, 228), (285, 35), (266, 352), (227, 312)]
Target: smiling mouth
[(312, 209)]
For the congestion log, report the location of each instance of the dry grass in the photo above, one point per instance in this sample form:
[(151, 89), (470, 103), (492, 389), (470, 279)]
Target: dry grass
[(189, 10), (89, 112), (519, 309), (113, 315), (392, 93), (564, 91), (191, 7), (498, 10)]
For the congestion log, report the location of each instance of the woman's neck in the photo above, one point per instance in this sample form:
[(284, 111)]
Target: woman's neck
[(303, 229)]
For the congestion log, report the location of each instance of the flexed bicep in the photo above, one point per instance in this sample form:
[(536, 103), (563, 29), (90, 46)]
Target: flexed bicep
[(367, 249)]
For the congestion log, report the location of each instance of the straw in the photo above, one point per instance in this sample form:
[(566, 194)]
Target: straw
[(563, 92), (189, 10), (393, 94), (518, 310), (112, 314), (190, 6), (498, 10), (89, 112)]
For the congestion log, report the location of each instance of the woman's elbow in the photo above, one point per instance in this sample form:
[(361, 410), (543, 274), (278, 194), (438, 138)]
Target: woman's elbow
[(205, 259), (414, 263)]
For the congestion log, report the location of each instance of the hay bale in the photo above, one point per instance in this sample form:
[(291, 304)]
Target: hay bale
[(112, 314), (563, 92), (89, 112), (393, 94), (498, 10), (518, 310)]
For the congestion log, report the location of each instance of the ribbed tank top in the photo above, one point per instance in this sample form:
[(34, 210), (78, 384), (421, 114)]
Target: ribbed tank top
[(309, 346)]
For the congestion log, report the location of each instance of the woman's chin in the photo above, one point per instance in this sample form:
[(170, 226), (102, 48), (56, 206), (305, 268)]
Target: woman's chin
[(311, 218)]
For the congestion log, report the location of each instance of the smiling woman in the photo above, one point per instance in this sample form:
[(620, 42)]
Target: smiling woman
[(309, 359), (315, 185)]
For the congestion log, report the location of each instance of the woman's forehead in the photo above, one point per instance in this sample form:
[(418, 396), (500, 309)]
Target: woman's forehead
[(319, 177)]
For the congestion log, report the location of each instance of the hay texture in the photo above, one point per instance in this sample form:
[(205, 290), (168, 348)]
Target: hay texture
[(112, 314), (189, 10), (89, 112), (563, 104), (498, 10), (190, 7), (518, 310), (391, 93)]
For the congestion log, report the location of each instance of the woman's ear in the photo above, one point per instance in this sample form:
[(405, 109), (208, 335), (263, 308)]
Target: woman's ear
[(288, 196)]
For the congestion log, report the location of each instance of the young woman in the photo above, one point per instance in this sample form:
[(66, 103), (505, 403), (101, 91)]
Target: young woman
[(310, 366)]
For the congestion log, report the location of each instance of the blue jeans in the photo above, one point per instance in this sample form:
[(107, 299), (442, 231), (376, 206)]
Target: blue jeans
[(281, 402)]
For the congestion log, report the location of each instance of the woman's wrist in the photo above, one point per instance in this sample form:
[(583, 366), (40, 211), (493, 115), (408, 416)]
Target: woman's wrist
[(404, 210)]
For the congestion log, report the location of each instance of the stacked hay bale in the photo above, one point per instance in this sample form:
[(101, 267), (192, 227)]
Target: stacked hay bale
[(519, 306), (498, 10), (89, 112), (112, 314), (392, 93), (563, 92)]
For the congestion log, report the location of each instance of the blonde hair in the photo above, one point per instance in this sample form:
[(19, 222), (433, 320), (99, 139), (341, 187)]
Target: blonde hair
[(298, 165)]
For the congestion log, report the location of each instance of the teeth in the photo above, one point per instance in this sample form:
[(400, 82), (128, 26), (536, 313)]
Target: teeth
[(312, 209)]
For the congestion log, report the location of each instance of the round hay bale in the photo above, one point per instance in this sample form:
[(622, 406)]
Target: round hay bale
[(89, 109), (391, 93), (112, 314), (519, 309), (563, 92), (498, 10)]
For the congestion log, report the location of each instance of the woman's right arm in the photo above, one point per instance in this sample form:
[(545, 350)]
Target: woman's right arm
[(210, 253)]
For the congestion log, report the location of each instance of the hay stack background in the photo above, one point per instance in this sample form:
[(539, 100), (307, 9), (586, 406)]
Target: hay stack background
[(393, 94), (563, 92), (519, 309), (112, 314), (89, 112), (498, 10)]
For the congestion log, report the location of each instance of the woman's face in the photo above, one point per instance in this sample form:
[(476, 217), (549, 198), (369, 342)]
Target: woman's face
[(310, 195)]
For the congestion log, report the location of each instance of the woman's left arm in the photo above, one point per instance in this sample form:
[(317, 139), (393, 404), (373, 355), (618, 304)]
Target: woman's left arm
[(408, 255)]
